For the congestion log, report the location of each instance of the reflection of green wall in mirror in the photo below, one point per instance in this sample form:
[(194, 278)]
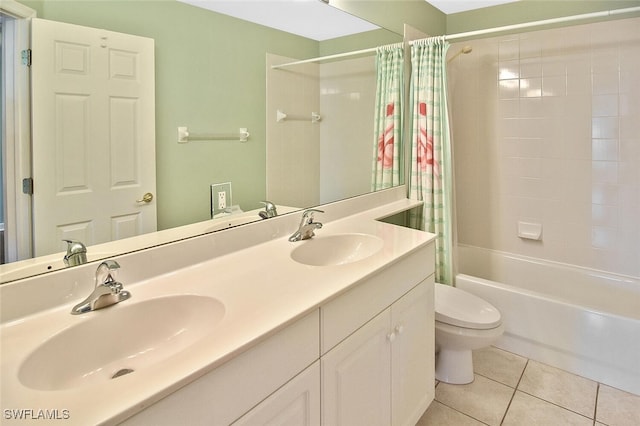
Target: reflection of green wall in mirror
[(393, 14), (195, 46), (358, 41)]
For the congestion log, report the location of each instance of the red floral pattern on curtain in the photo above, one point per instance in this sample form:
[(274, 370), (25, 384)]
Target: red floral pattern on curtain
[(425, 146), (386, 140)]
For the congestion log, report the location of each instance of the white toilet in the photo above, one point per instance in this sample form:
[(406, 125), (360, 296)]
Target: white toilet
[(464, 322)]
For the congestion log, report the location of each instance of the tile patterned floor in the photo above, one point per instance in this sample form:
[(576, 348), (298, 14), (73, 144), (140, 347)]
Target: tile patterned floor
[(511, 390)]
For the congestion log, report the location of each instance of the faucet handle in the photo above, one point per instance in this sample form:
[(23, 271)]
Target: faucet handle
[(268, 205), (106, 272), (310, 212), (307, 215)]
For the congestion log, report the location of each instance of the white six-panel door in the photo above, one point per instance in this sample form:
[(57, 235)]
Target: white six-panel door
[(93, 112)]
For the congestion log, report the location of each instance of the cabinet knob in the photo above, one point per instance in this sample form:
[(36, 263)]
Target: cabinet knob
[(391, 336), (399, 329)]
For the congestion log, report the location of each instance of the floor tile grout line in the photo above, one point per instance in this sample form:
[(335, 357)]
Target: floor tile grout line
[(553, 403), (504, 416), (595, 406), (528, 363), (494, 380), (458, 411)]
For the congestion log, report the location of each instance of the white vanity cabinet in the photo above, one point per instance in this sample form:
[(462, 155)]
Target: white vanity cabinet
[(365, 357), (382, 373)]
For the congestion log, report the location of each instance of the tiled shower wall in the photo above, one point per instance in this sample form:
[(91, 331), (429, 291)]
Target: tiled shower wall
[(316, 163), (546, 129), (347, 98), (293, 145)]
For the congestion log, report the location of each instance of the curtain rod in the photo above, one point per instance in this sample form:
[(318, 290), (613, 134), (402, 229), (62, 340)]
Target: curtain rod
[(583, 16), (602, 14), (336, 56)]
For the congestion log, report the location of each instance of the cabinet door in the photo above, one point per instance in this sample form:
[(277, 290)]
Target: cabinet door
[(356, 377), (295, 404), (412, 354)]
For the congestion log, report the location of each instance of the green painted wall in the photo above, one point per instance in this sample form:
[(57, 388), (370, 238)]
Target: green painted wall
[(393, 14), (210, 76), (359, 41), (528, 11)]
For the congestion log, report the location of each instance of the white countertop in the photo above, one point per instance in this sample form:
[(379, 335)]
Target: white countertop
[(262, 290), (54, 262)]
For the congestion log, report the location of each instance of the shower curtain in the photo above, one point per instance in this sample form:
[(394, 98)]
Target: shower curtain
[(431, 163), (387, 144)]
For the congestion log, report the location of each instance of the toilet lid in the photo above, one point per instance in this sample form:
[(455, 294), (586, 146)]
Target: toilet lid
[(457, 307)]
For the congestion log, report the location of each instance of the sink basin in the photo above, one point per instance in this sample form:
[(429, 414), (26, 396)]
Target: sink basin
[(119, 340), (337, 249)]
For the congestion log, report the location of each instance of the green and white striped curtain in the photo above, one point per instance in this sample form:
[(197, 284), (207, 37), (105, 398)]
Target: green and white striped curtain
[(387, 144), (431, 163)]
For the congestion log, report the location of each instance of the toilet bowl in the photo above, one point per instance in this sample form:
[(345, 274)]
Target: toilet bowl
[(464, 322)]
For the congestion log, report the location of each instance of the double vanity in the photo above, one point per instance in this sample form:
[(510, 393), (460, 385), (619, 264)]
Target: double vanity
[(237, 327)]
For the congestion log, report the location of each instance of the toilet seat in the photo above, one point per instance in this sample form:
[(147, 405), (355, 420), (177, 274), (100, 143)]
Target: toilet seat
[(459, 308)]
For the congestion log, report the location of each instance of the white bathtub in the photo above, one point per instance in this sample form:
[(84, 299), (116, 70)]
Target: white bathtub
[(578, 319)]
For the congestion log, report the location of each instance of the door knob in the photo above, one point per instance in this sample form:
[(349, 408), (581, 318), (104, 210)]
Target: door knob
[(146, 198)]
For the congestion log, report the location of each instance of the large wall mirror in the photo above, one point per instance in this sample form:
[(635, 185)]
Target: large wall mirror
[(211, 73)]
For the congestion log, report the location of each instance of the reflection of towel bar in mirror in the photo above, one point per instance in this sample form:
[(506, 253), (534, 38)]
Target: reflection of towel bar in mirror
[(281, 116), (185, 136)]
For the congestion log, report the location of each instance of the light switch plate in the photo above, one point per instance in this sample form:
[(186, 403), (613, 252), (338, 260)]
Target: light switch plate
[(220, 197)]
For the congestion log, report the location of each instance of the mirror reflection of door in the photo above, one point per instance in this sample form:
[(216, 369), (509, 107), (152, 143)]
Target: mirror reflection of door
[(15, 207), (93, 112)]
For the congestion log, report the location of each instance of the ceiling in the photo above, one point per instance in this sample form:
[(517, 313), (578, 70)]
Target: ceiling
[(455, 6), (309, 18)]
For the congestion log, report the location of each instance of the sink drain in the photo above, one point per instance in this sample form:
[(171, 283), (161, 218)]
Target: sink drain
[(122, 372)]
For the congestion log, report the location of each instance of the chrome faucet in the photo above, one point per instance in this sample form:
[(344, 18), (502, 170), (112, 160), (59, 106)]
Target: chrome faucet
[(76, 253), (107, 292), (307, 226), (269, 210)]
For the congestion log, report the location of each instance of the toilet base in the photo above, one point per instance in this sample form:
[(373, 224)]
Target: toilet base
[(454, 366)]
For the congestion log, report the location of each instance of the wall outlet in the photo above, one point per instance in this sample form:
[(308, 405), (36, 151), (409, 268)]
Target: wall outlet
[(220, 197)]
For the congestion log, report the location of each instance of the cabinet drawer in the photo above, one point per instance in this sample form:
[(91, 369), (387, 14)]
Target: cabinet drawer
[(345, 314), (229, 391)]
